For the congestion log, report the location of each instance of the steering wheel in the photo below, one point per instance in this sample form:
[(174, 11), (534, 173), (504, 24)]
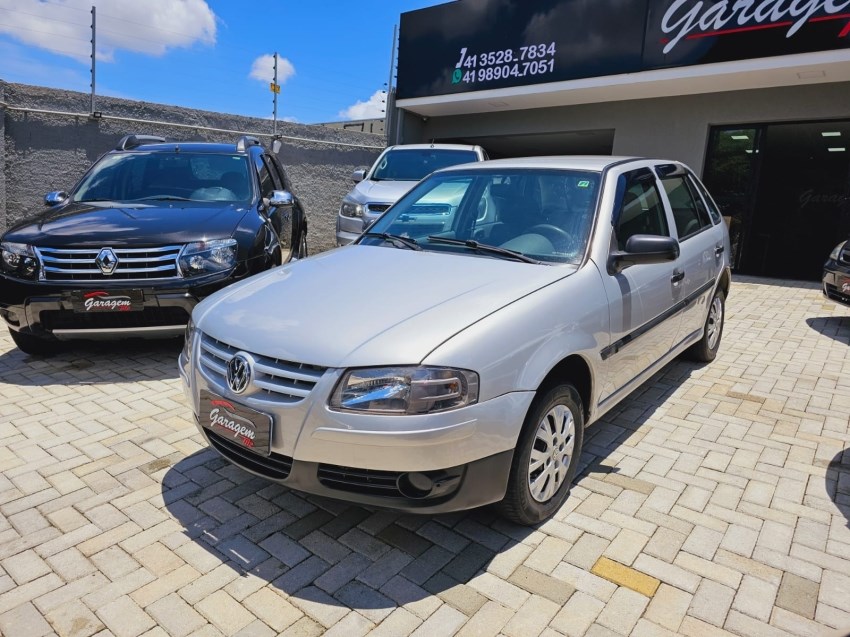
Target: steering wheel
[(560, 238)]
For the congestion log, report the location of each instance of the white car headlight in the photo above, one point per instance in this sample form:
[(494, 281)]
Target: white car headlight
[(405, 390), (836, 251), (351, 208), (205, 257)]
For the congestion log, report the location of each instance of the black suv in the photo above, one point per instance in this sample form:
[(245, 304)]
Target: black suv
[(836, 274), (149, 230)]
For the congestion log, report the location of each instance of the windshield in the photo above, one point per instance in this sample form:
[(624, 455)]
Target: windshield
[(129, 177), (414, 164), (543, 214)]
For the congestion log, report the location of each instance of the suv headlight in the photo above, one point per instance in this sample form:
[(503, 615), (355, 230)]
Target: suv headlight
[(405, 390), (837, 251), (205, 257), (18, 259), (351, 208)]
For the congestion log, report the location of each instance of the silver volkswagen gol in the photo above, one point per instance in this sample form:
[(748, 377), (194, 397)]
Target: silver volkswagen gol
[(465, 367)]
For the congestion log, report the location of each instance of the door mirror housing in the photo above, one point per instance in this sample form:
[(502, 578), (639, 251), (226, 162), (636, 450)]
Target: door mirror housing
[(358, 175), (644, 248), (281, 199), (55, 198)]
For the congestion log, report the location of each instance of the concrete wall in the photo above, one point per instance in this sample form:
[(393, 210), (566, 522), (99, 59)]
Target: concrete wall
[(40, 152), (672, 127)]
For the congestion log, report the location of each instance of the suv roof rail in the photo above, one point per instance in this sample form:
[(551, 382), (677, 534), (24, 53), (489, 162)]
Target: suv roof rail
[(132, 141), (245, 141)]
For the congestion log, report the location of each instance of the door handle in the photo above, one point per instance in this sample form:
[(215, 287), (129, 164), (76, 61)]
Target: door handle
[(678, 275), (718, 249)]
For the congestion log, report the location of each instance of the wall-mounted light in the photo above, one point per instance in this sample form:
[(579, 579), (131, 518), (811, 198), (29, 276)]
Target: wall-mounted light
[(833, 133), (837, 149)]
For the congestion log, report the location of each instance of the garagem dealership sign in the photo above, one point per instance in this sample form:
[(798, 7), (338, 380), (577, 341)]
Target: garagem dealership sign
[(473, 45)]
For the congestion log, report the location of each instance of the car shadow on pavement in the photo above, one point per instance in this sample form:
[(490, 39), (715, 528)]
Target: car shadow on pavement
[(836, 327), (92, 362), (330, 556), (838, 482)]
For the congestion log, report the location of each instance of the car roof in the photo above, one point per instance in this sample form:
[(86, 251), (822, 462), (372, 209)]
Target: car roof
[(595, 163), (189, 147)]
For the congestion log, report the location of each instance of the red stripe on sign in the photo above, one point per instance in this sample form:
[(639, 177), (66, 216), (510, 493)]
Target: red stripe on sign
[(758, 27)]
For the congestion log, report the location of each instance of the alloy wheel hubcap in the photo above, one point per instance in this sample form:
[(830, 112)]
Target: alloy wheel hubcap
[(715, 320), (551, 453)]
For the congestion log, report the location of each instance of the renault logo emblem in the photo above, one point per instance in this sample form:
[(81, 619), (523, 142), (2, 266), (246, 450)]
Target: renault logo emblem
[(106, 261), (238, 373)]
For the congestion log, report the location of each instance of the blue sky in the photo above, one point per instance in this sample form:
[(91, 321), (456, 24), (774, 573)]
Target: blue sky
[(208, 54)]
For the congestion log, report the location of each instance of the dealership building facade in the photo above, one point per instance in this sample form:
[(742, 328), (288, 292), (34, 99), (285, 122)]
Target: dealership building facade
[(753, 94)]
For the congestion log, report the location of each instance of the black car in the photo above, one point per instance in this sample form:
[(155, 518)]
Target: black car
[(836, 274), (149, 230)]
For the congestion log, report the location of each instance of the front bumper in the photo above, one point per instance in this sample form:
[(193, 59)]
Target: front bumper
[(466, 454), (836, 282), (46, 310)]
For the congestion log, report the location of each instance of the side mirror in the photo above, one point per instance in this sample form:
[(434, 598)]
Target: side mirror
[(55, 198), (644, 248), (281, 199), (358, 175)]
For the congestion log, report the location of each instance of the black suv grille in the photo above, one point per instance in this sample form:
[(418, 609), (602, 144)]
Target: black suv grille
[(148, 317), (274, 467), (78, 264), (382, 483)]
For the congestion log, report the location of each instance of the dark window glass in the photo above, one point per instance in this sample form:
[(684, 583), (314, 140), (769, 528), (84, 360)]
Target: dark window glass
[(413, 165), (713, 210), (689, 212), (641, 211), (275, 177), (266, 183)]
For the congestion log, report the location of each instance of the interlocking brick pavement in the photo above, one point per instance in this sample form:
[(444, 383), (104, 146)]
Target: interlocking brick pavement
[(715, 500)]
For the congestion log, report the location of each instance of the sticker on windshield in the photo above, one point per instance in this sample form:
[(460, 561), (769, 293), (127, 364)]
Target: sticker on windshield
[(584, 183)]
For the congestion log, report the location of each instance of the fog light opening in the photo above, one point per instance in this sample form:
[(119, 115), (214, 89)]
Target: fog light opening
[(414, 485)]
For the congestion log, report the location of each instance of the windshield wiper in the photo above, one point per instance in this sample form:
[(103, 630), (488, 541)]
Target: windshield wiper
[(394, 239), (162, 198), (483, 248)]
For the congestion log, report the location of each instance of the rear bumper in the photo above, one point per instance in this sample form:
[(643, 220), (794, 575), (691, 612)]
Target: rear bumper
[(47, 311), (836, 282)]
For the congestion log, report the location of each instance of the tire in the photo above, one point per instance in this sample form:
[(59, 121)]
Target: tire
[(705, 350), (33, 344), (552, 432), (302, 246)]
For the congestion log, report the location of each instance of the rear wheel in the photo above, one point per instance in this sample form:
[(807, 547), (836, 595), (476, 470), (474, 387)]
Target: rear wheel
[(546, 457), (33, 344), (705, 350)]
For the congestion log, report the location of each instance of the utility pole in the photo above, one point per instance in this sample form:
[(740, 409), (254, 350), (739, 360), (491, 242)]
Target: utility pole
[(93, 61), (390, 99), (275, 91)]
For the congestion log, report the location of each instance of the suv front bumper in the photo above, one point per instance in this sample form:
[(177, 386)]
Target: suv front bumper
[(836, 282)]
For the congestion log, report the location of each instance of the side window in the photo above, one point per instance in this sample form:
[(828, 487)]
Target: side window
[(277, 169), (266, 184), (275, 177), (713, 210), (641, 211), (689, 211)]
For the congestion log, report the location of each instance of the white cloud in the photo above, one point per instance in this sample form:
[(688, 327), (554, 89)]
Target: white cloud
[(371, 109), (263, 69), (151, 27)]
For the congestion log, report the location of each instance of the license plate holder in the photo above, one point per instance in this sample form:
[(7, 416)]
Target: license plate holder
[(238, 424), (93, 301)]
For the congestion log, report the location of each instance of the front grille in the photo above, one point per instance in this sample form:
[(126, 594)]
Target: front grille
[(274, 467), (431, 209), (377, 207), (368, 481), (78, 264), (283, 381), (148, 317)]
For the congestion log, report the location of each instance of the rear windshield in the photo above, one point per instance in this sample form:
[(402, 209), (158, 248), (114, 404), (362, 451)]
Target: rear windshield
[(414, 164), (129, 177)]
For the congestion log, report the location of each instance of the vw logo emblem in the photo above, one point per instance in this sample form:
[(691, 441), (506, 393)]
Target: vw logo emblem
[(106, 261), (238, 373)]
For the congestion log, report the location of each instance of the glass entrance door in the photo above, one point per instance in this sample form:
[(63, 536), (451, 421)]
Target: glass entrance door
[(786, 189)]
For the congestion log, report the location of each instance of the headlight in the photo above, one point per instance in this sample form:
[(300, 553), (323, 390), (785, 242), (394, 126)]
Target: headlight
[(18, 259), (351, 208), (189, 338), (205, 257), (837, 251), (405, 390)]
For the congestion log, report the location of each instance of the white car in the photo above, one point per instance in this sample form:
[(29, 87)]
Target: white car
[(463, 370), (396, 170)]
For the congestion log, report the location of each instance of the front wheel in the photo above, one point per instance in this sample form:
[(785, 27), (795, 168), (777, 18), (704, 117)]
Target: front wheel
[(705, 350), (546, 457)]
